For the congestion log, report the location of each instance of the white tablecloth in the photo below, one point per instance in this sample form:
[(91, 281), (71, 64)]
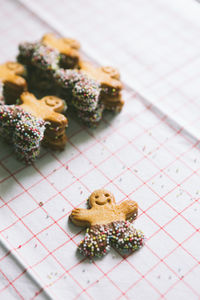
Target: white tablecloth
[(148, 153)]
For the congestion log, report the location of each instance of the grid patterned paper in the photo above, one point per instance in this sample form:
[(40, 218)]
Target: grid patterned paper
[(143, 154)]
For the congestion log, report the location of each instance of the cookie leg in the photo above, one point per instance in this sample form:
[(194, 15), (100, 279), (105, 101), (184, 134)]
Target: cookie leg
[(126, 238), (96, 242)]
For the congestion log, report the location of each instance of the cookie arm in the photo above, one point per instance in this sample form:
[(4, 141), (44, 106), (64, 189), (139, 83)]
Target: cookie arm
[(129, 208), (80, 217)]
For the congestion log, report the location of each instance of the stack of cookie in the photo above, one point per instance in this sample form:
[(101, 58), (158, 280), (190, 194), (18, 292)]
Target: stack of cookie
[(49, 109), (108, 225), (31, 122), (54, 64)]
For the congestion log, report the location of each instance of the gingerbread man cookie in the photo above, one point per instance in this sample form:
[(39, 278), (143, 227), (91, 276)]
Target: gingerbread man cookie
[(113, 103), (67, 48), (109, 225), (14, 84), (48, 109)]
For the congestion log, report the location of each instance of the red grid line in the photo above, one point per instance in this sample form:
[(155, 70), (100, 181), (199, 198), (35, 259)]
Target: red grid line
[(133, 144)]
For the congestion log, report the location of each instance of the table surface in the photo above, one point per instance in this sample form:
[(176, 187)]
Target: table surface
[(149, 153)]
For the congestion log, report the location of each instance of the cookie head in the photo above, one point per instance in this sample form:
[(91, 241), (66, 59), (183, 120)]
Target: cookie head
[(57, 104), (113, 72), (101, 198)]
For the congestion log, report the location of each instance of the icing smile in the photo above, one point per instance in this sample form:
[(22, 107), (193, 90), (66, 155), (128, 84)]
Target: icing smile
[(100, 202)]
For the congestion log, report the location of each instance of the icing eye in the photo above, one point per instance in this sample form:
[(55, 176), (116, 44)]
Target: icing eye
[(109, 200), (107, 195), (96, 196)]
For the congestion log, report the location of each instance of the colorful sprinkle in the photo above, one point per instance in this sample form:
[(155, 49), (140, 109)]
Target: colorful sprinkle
[(121, 235), (23, 130)]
